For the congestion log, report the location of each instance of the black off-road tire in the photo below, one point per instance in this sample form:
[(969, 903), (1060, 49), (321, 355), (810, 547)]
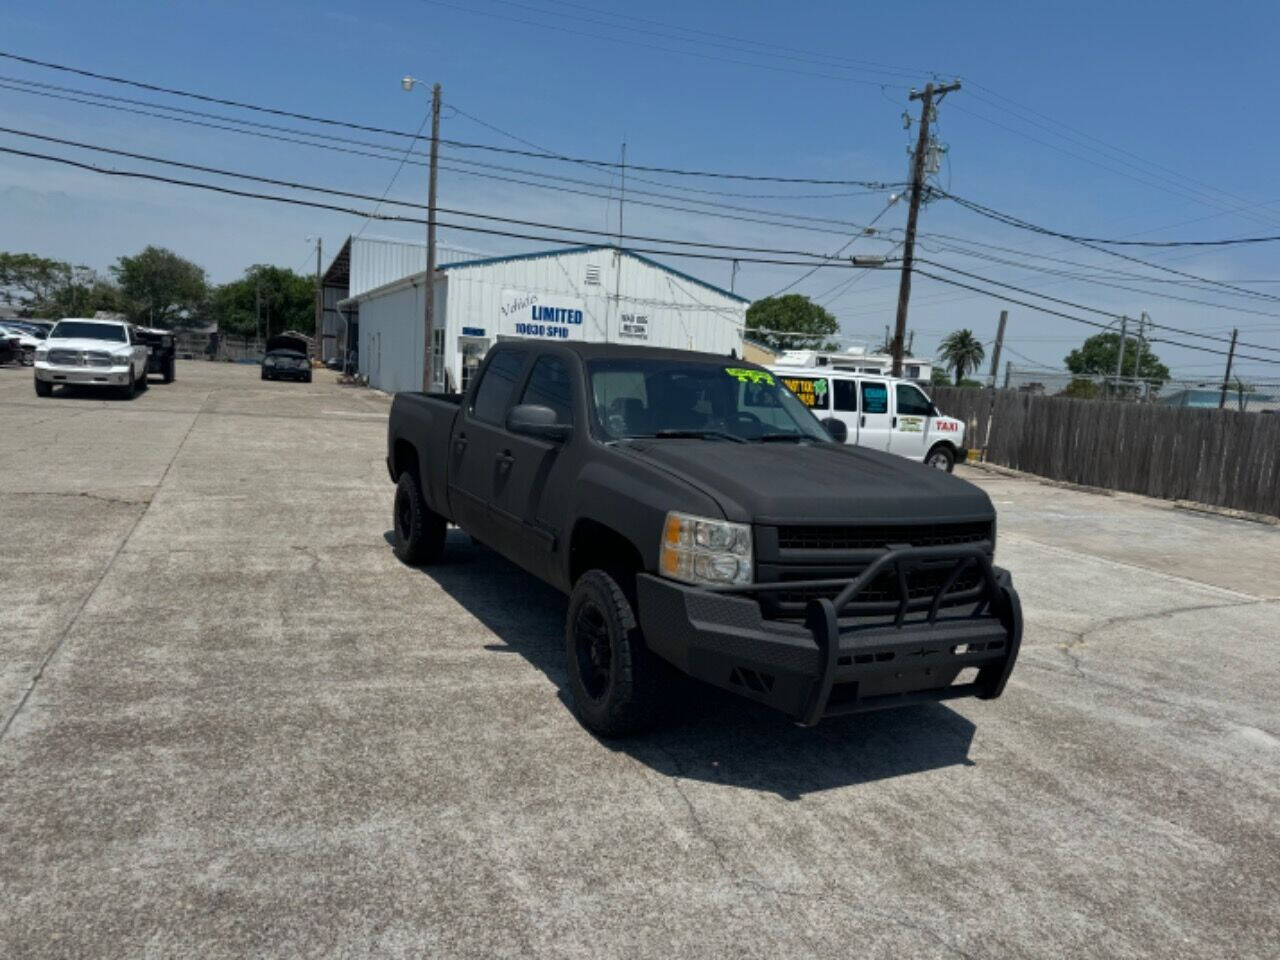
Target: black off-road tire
[(130, 389), (43, 388), (613, 678), (941, 456), (28, 356), (419, 531), (168, 370), (144, 382), (264, 375)]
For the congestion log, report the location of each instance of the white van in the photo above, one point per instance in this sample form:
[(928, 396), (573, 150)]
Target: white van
[(879, 412)]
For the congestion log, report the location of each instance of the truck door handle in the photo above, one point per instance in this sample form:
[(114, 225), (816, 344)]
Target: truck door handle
[(460, 442), (863, 421), (895, 422), (505, 460)]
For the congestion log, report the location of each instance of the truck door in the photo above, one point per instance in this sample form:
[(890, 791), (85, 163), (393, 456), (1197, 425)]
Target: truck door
[(477, 440), (528, 489), (875, 422), (910, 436)]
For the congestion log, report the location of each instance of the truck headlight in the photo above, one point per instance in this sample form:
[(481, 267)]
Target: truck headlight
[(703, 550), (42, 353)]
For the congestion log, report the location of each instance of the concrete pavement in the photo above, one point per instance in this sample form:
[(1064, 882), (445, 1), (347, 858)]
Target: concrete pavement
[(234, 724)]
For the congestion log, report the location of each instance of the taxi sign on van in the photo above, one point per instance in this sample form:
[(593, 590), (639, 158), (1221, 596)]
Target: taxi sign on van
[(812, 391)]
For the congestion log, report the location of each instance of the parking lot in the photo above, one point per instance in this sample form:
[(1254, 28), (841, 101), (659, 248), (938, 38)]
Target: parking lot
[(234, 724)]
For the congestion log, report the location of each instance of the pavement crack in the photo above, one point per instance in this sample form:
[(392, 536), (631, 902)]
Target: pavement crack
[(100, 497), (75, 617)]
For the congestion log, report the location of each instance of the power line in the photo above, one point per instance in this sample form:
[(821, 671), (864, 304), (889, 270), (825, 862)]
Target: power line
[(1012, 221), (756, 64), (390, 157), (138, 175), (1067, 316), (807, 274), (674, 171)]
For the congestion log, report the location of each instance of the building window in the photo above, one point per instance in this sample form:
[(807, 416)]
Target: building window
[(437, 355)]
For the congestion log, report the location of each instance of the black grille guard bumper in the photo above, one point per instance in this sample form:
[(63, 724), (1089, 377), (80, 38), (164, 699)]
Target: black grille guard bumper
[(849, 655)]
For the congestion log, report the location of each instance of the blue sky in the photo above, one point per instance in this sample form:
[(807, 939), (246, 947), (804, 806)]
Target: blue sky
[(1149, 121)]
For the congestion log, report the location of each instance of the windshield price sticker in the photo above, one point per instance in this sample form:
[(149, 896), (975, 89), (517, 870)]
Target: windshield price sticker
[(811, 391), (745, 375)]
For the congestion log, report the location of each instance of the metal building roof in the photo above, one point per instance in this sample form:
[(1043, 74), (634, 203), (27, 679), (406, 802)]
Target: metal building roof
[(587, 248)]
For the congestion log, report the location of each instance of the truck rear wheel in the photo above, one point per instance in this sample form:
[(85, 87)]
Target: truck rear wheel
[(419, 531), (168, 370), (613, 678)]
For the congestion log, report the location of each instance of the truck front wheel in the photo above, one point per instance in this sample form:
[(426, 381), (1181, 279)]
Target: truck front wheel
[(613, 678), (419, 532)]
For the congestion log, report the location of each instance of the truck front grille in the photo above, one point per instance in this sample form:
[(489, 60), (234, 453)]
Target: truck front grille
[(879, 536), (66, 358)]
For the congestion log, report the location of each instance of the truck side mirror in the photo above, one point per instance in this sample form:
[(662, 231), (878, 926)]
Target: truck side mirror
[(535, 420), (837, 428)]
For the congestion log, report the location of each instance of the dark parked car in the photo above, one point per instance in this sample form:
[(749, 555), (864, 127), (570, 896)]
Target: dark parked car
[(700, 518), (163, 356), (286, 359), (10, 347)]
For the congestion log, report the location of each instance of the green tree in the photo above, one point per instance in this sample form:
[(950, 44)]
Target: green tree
[(37, 286), (962, 352), (939, 378), (791, 322), (1097, 357), (286, 301), (160, 288), (1081, 387)]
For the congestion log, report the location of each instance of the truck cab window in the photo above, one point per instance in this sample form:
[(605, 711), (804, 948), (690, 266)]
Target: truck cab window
[(911, 402), (845, 394), (499, 379), (551, 386)]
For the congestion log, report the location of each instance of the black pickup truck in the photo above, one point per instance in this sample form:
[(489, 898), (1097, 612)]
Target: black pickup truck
[(701, 518), (163, 356)]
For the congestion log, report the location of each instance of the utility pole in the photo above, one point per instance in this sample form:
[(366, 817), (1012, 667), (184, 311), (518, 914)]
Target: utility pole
[(319, 349), (1137, 358), (257, 306), (991, 387), (428, 347), (911, 341), (1226, 377), (995, 355), (617, 256), (1120, 354), (733, 277), (917, 192)]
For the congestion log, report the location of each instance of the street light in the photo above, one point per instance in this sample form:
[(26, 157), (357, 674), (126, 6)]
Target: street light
[(407, 82)]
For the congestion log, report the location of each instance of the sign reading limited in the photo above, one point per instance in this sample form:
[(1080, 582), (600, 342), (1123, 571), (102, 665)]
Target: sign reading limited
[(540, 315)]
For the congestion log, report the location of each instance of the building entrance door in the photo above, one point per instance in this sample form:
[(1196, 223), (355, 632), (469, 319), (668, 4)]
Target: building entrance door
[(472, 351)]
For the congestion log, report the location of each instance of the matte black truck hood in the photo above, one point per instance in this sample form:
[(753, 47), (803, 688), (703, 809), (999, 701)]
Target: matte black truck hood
[(790, 482)]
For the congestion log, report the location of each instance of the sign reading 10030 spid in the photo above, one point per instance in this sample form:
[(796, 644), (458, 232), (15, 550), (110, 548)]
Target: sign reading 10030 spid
[(541, 315)]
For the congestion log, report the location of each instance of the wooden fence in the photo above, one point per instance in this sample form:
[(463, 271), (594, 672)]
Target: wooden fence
[(1220, 457)]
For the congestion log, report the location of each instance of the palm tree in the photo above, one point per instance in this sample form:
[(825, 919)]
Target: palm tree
[(962, 352)]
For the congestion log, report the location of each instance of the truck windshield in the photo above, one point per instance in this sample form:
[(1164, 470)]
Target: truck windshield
[(87, 330), (671, 398)]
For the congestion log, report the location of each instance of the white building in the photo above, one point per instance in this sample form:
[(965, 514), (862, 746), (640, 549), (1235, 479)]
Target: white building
[(364, 263), (593, 293)]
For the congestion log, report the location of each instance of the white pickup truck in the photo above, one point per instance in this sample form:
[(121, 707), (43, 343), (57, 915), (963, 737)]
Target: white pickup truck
[(878, 411), (92, 353)]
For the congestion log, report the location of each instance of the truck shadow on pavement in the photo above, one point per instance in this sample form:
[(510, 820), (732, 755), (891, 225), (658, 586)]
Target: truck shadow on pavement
[(711, 735)]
